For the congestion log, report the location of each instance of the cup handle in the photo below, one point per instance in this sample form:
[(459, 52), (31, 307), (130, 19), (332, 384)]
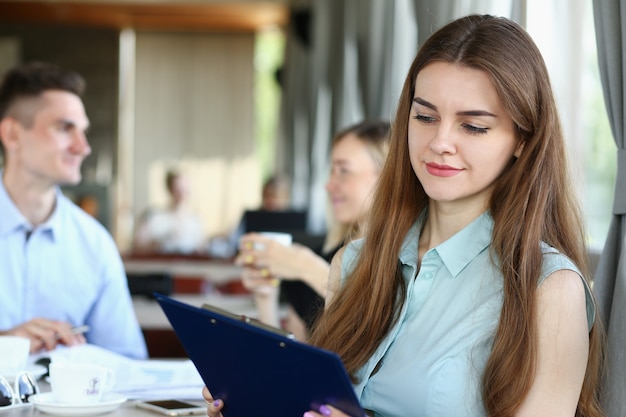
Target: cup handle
[(110, 380)]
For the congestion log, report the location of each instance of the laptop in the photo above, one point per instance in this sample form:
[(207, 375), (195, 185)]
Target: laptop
[(258, 370), (287, 221)]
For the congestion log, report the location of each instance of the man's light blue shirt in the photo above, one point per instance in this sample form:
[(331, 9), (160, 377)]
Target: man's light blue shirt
[(68, 269), (431, 362)]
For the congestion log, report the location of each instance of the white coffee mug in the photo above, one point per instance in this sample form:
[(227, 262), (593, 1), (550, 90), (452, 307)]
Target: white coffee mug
[(282, 238), (14, 351), (80, 383)]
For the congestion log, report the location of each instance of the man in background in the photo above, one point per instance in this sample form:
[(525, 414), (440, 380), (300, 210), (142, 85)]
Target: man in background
[(59, 267), (276, 194), (175, 229)]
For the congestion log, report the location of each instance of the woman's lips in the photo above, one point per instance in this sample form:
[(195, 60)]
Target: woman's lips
[(441, 170)]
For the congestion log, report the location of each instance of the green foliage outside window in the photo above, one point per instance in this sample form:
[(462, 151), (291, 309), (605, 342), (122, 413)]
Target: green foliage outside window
[(268, 58)]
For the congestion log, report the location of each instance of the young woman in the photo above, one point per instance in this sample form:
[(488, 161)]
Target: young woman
[(358, 154), (474, 260)]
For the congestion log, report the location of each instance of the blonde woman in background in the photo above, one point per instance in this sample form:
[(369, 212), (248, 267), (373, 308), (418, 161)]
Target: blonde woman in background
[(358, 153)]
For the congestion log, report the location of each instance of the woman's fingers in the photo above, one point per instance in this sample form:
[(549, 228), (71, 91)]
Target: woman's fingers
[(214, 406), (214, 409), (255, 280)]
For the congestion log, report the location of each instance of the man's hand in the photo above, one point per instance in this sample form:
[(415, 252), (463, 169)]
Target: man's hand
[(46, 334)]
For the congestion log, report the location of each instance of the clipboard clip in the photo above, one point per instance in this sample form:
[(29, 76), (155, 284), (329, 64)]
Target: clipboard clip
[(251, 321)]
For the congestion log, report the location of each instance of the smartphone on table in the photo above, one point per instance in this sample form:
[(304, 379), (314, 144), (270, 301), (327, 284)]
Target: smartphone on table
[(172, 407)]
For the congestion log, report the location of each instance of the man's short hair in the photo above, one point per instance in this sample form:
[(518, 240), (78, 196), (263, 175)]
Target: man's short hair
[(30, 80)]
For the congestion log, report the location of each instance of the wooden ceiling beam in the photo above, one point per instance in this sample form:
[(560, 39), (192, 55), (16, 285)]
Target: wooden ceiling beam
[(237, 17)]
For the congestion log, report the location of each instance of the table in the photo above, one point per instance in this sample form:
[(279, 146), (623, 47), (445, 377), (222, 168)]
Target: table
[(222, 288), (128, 409), (216, 271), (158, 333), (150, 315)]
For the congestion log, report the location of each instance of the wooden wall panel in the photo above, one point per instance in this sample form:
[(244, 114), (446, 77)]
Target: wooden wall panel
[(233, 16), (194, 110)]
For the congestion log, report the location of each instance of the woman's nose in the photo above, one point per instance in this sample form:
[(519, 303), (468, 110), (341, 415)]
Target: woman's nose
[(443, 141), (331, 184)]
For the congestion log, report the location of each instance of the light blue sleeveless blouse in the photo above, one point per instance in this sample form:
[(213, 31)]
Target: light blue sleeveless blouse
[(432, 360)]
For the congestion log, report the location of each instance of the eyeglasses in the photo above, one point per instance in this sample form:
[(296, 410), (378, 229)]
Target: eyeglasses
[(24, 386)]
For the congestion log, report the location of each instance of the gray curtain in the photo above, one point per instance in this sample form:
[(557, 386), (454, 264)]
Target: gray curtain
[(610, 277), (433, 14), (348, 66)]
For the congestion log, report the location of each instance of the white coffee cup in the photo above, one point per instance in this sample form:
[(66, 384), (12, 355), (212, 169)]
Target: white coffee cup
[(14, 351), (282, 238), (80, 383)]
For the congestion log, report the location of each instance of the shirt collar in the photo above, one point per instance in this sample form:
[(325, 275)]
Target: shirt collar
[(52, 226), (408, 251), (13, 219), (458, 251)]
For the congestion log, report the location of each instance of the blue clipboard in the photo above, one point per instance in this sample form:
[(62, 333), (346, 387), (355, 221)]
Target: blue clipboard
[(257, 371)]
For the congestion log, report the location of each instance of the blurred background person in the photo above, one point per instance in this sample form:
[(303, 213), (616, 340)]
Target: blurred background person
[(173, 229), (357, 156), (275, 197), (276, 194), (89, 204)]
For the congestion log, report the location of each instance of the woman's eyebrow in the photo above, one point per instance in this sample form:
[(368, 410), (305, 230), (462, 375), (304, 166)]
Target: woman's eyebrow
[(475, 113), (431, 106), (424, 103)]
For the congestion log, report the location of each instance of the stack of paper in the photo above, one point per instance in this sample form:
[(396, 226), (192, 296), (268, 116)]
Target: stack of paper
[(137, 379)]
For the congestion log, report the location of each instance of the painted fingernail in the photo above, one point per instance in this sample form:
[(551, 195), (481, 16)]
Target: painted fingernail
[(275, 282), (265, 272), (249, 259), (308, 414), (217, 403), (248, 245), (325, 411)]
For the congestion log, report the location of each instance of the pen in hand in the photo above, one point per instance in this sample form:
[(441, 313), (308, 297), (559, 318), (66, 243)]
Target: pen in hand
[(80, 329), (77, 330)]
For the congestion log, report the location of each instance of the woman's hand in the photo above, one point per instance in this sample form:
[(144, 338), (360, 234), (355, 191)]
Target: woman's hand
[(325, 411), (269, 257), (265, 260), (214, 407)]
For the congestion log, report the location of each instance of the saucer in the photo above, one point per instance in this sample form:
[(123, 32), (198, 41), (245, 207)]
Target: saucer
[(35, 370), (47, 404)]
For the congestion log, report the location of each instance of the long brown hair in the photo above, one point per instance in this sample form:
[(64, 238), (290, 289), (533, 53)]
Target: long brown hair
[(532, 201)]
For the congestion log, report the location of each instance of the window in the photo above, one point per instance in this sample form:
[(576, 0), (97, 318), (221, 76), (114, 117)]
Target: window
[(268, 58), (565, 33)]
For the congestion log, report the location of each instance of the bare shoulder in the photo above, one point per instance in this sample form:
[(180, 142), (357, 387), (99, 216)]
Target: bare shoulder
[(561, 301), (563, 283)]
